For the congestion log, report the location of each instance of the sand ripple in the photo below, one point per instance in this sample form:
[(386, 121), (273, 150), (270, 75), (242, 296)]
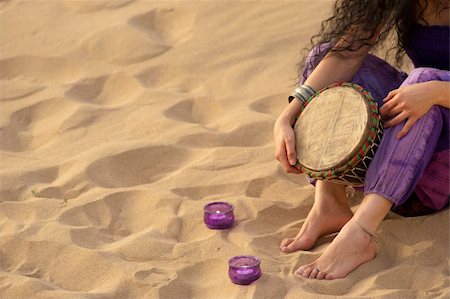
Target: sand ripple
[(58, 69)]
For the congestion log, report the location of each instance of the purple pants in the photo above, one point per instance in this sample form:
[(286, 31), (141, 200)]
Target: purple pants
[(418, 162)]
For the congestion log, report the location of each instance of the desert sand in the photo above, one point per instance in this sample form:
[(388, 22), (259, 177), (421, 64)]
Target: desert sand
[(121, 119)]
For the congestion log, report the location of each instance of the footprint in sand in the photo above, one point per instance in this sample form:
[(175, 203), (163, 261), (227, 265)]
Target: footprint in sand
[(116, 219), (137, 166), (182, 111), (147, 36), (36, 69), (34, 126), (101, 222), (200, 110), (51, 260), (113, 90), (110, 211), (68, 187), (13, 188), (155, 277), (272, 104), (115, 223), (165, 25), (171, 77), (17, 215), (121, 45)]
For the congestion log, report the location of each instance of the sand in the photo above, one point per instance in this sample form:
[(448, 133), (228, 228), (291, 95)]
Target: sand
[(121, 119)]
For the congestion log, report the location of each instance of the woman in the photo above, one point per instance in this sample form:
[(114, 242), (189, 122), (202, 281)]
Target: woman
[(413, 158)]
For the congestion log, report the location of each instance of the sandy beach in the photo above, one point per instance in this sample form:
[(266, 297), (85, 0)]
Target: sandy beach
[(121, 119)]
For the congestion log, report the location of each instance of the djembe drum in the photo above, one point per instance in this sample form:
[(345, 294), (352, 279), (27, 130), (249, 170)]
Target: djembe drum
[(337, 133)]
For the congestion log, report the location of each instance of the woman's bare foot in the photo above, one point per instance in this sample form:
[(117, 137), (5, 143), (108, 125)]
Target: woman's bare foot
[(328, 215), (352, 247)]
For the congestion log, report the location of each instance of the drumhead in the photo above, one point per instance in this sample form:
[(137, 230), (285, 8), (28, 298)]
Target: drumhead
[(332, 128)]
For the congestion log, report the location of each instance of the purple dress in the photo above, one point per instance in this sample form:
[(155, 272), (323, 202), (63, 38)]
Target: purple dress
[(417, 165)]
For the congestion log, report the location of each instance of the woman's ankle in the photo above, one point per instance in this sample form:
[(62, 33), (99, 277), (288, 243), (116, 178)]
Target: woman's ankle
[(327, 191), (372, 211)]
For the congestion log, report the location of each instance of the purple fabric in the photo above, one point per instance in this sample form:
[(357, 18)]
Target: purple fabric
[(429, 46), (433, 186), (420, 160)]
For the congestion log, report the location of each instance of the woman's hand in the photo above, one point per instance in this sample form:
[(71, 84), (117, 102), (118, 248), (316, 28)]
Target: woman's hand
[(285, 143), (409, 103)]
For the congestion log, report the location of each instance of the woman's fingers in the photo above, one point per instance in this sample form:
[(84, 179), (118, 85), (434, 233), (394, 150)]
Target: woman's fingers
[(409, 123), (285, 147), (281, 156), (385, 110), (390, 95), (396, 120), (394, 111), (399, 119), (290, 149)]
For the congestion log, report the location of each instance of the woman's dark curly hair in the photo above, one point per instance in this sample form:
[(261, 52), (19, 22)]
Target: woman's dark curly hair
[(357, 22)]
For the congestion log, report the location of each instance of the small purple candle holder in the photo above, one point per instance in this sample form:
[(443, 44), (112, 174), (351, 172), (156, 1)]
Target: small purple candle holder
[(219, 215), (244, 269)]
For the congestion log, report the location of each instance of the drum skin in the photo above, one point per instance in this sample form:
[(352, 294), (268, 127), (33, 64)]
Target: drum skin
[(337, 134)]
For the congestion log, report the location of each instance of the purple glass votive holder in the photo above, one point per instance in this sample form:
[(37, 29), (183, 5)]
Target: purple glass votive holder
[(219, 215), (244, 269)]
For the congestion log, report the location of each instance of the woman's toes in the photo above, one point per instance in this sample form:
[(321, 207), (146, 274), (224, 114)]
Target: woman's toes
[(293, 245), (286, 242), (307, 272), (285, 250), (329, 277), (300, 271), (288, 246), (313, 273), (321, 275)]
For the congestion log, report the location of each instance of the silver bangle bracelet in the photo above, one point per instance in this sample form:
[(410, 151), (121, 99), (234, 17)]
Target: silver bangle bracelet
[(302, 93)]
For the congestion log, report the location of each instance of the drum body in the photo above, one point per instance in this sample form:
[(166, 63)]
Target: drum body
[(337, 133)]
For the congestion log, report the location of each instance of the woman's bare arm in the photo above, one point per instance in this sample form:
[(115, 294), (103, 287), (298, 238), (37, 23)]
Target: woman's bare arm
[(334, 67), (443, 98)]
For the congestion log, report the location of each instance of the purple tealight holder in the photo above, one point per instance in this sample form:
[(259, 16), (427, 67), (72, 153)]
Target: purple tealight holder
[(244, 269), (219, 215)]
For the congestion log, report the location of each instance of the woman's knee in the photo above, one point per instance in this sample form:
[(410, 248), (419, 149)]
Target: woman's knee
[(424, 74), (425, 131), (433, 118)]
